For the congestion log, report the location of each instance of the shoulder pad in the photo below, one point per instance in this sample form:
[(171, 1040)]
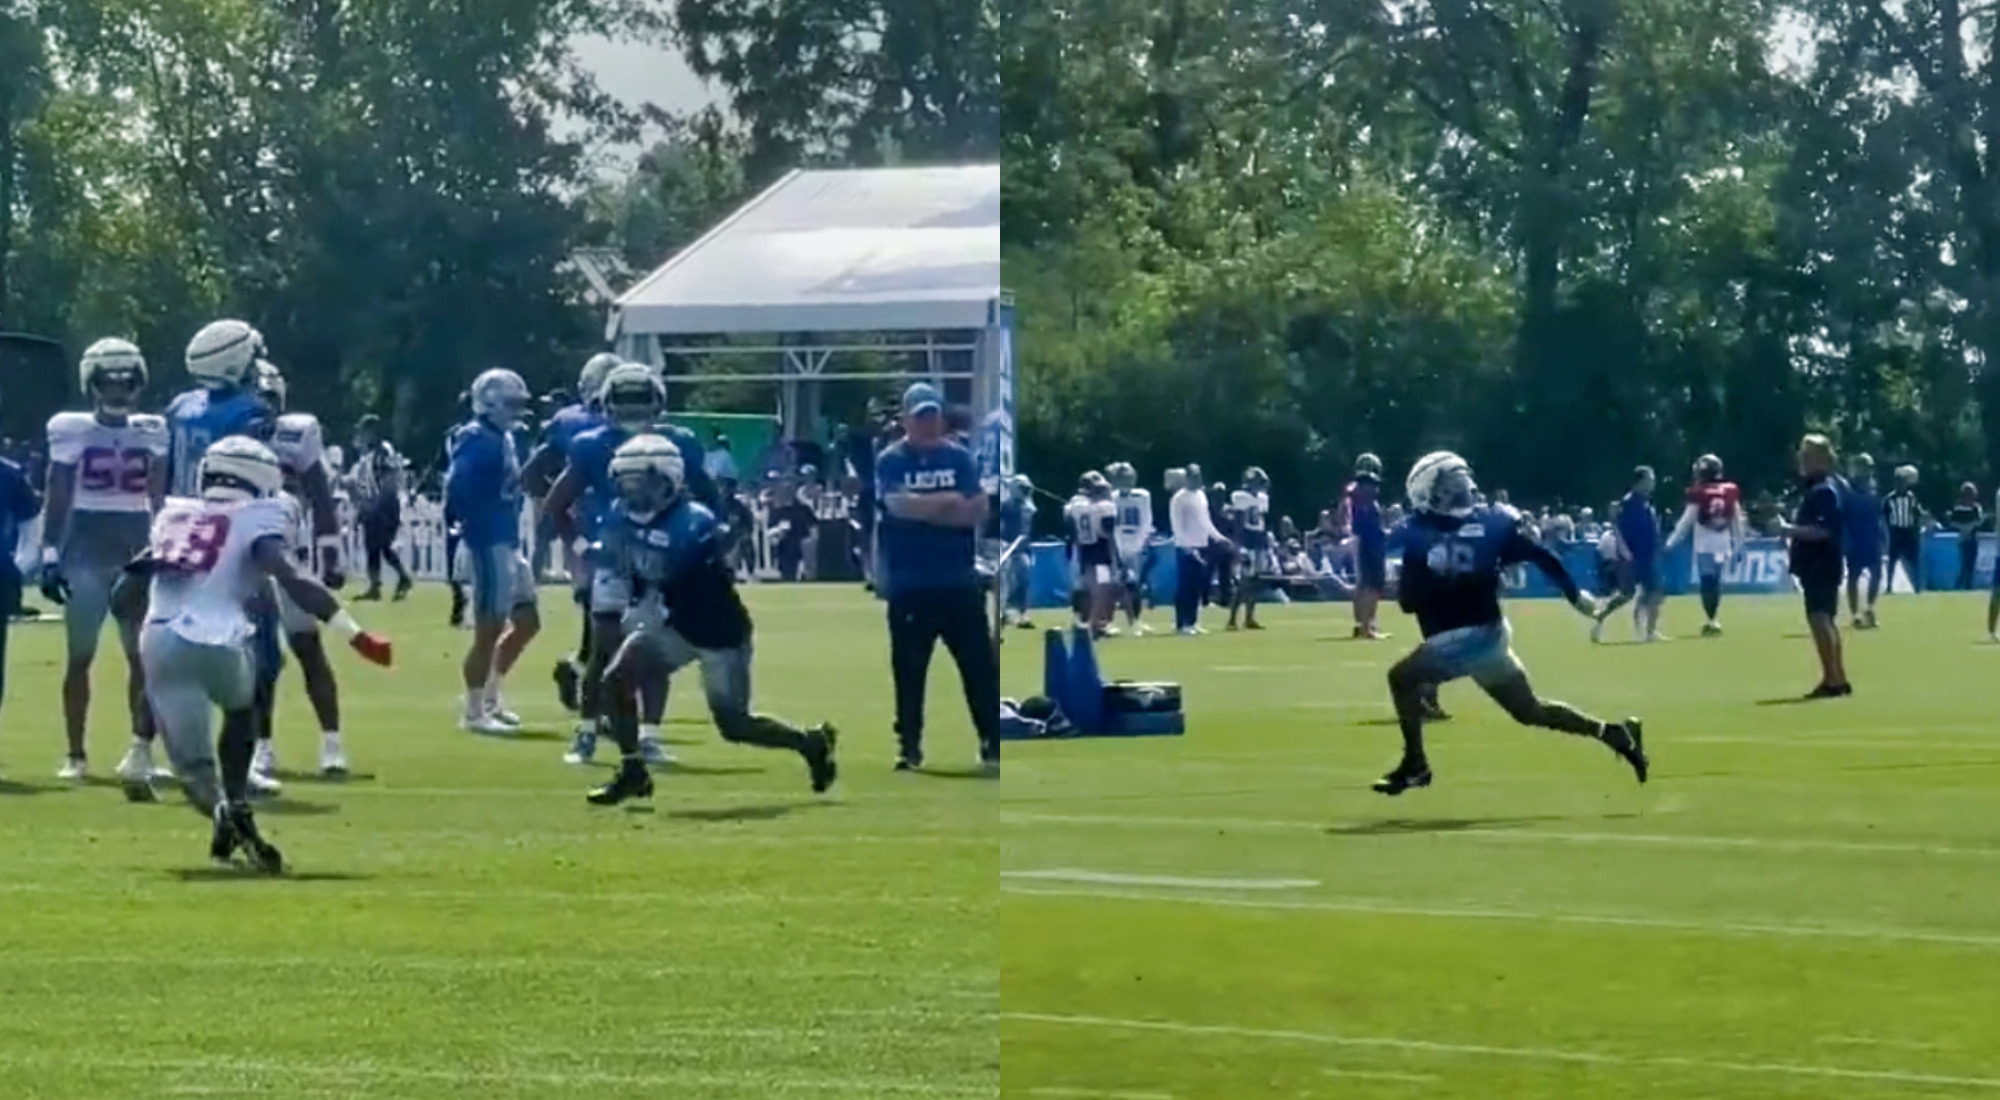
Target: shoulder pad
[(148, 422), (69, 423)]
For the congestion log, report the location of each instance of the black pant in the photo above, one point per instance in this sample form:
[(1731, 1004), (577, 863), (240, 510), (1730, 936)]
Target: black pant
[(1906, 547), (918, 620), (1968, 558), (379, 528)]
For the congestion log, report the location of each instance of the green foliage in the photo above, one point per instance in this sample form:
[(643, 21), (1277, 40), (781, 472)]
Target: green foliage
[(1567, 236)]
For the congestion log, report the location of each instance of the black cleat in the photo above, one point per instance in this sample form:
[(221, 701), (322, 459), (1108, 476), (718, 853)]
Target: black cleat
[(222, 842), (632, 781), (821, 741), (1831, 691), (909, 762), (1407, 776), (403, 587), (567, 684), (373, 595), (1628, 740), (457, 607), (264, 855)]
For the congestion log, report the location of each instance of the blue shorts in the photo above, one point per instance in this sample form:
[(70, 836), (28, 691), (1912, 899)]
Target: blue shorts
[(1371, 568), (1483, 653), (1642, 575), (1863, 559), (502, 581)]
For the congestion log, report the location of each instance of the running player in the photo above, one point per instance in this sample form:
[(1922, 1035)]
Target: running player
[(632, 399), (107, 476), (207, 559), (1862, 538), (1250, 507), (1638, 544), (1131, 539), (662, 553), (539, 475), (1092, 519), (483, 492), (1714, 514), (1452, 560), (299, 444)]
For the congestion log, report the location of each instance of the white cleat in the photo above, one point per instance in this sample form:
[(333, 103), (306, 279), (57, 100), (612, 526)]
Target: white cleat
[(332, 757), (74, 770), (654, 752), (266, 760), (263, 784), (137, 767), (488, 725), (1597, 632)]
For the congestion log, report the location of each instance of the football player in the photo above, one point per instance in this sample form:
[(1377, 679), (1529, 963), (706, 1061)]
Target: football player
[(298, 442), (1091, 519), (1361, 515), (206, 560), (1862, 538), (1638, 546), (483, 492), (539, 475), (1250, 508), (1714, 514), (662, 553), (632, 401), (107, 476), (1132, 536), (1453, 556), (1017, 520)]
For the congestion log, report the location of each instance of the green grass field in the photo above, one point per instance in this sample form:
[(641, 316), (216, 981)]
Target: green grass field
[(461, 924), (1803, 903)]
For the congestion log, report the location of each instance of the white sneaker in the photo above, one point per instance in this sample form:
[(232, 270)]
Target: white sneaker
[(497, 710), (489, 725), (654, 752), (74, 770), (332, 757), (1597, 632), (266, 760), (137, 767)]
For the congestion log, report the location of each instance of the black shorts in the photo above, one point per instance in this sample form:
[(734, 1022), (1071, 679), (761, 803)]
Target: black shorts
[(1822, 595)]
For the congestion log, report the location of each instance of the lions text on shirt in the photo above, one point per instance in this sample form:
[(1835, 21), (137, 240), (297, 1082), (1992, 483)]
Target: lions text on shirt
[(113, 463), (204, 569), (914, 554)]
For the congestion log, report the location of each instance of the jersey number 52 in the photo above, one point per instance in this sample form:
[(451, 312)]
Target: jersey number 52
[(105, 470), (191, 543)]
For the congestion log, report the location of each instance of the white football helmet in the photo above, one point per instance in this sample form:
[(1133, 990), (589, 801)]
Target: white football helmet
[(590, 381), (633, 397), (112, 363), (239, 468), (501, 397), (649, 472), (1441, 482), (268, 382), (223, 355)]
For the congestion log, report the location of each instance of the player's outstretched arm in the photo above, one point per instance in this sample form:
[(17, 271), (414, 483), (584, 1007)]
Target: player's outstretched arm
[(560, 503), (317, 488), (1522, 549), (1686, 526), (538, 476), (314, 599)]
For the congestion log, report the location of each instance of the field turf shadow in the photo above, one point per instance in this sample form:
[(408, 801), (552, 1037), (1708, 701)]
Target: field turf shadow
[(1404, 826)]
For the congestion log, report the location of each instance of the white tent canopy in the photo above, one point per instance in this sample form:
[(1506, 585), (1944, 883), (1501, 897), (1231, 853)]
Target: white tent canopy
[(858, 250)]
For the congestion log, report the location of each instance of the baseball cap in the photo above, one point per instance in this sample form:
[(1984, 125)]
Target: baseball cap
[(921, 398)]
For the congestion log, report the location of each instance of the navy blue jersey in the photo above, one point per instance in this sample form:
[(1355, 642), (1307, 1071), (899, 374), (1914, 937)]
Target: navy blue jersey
[(677, 557), (482, 485), (198, 418), (1638, 526), (1452, 565), (18, 504), (1821, 509), (1861, 512)]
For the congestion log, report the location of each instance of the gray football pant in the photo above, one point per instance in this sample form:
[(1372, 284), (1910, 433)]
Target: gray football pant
[(186, 683)]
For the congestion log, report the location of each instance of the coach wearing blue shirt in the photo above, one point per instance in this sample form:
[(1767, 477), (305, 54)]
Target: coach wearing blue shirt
[(19, 503), (932, 508)]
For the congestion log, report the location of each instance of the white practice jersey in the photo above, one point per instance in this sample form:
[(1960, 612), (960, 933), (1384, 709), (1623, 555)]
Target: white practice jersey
[(300, 445), (1134, 520), (113, 464), (1086, 518), (204, 571), (1250, 508)]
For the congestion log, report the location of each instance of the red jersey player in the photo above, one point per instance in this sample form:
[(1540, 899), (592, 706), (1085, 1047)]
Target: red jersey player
[(1715, 515)]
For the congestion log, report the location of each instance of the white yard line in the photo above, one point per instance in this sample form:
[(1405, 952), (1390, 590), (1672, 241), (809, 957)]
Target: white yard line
[(1516, 835), (1539, 1054), (1369, 907), (1099, 1094), (1378, 1075), (1112, 878)]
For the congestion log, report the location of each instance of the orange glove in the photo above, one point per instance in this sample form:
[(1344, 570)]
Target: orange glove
[(373, 647)]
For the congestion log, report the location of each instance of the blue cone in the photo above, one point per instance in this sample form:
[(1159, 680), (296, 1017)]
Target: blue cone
[(1055, 668), (1084, 702)]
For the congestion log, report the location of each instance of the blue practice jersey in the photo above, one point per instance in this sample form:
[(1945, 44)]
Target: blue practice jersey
[(1452, 566), (569, 422), (1638, 527), (914, 555), (1861, 513), (1017, 518), (677, 558), (590, 461), (483, 485), (198, 418)]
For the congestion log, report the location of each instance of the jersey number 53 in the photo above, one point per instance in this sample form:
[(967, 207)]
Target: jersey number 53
[(191, 543), (106, 470)]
